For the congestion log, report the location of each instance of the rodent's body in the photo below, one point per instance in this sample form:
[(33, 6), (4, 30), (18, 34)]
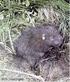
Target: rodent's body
[(34, 42)]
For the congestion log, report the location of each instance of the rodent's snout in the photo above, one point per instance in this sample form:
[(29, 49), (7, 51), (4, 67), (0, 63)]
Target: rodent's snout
[(58, 40)]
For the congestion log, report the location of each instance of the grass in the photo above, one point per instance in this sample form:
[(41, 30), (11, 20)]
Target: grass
[(16, 15)]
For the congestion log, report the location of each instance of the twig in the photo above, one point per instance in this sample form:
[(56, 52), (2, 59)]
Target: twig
[(5, 47), (11, 43), (32, 75), (47, 59)]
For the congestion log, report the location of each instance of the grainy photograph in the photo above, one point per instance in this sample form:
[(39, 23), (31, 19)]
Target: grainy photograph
[(34, 41)]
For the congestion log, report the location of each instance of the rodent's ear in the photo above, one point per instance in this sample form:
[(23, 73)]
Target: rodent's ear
[(23, 31), (45, 24), (51, 24), (57, 27)]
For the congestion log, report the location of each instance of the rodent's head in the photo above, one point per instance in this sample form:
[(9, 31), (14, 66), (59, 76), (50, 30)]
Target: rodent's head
[(45, 36), (51, 36)]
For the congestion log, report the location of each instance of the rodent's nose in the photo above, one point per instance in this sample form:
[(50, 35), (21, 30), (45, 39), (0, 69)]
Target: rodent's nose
[(59, 41)]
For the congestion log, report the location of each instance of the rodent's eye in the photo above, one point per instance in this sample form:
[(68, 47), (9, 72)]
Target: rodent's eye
[(43, 37)]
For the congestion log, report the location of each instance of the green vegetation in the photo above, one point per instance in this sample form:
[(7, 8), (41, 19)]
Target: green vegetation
[(17, 14)]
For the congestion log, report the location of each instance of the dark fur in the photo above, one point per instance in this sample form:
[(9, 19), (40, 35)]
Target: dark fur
[(35, 41)]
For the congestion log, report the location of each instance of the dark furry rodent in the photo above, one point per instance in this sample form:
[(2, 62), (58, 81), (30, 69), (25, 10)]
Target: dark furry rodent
[(35, 41)]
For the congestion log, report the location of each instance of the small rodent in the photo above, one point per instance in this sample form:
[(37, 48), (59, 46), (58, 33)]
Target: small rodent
[(35, 41)]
